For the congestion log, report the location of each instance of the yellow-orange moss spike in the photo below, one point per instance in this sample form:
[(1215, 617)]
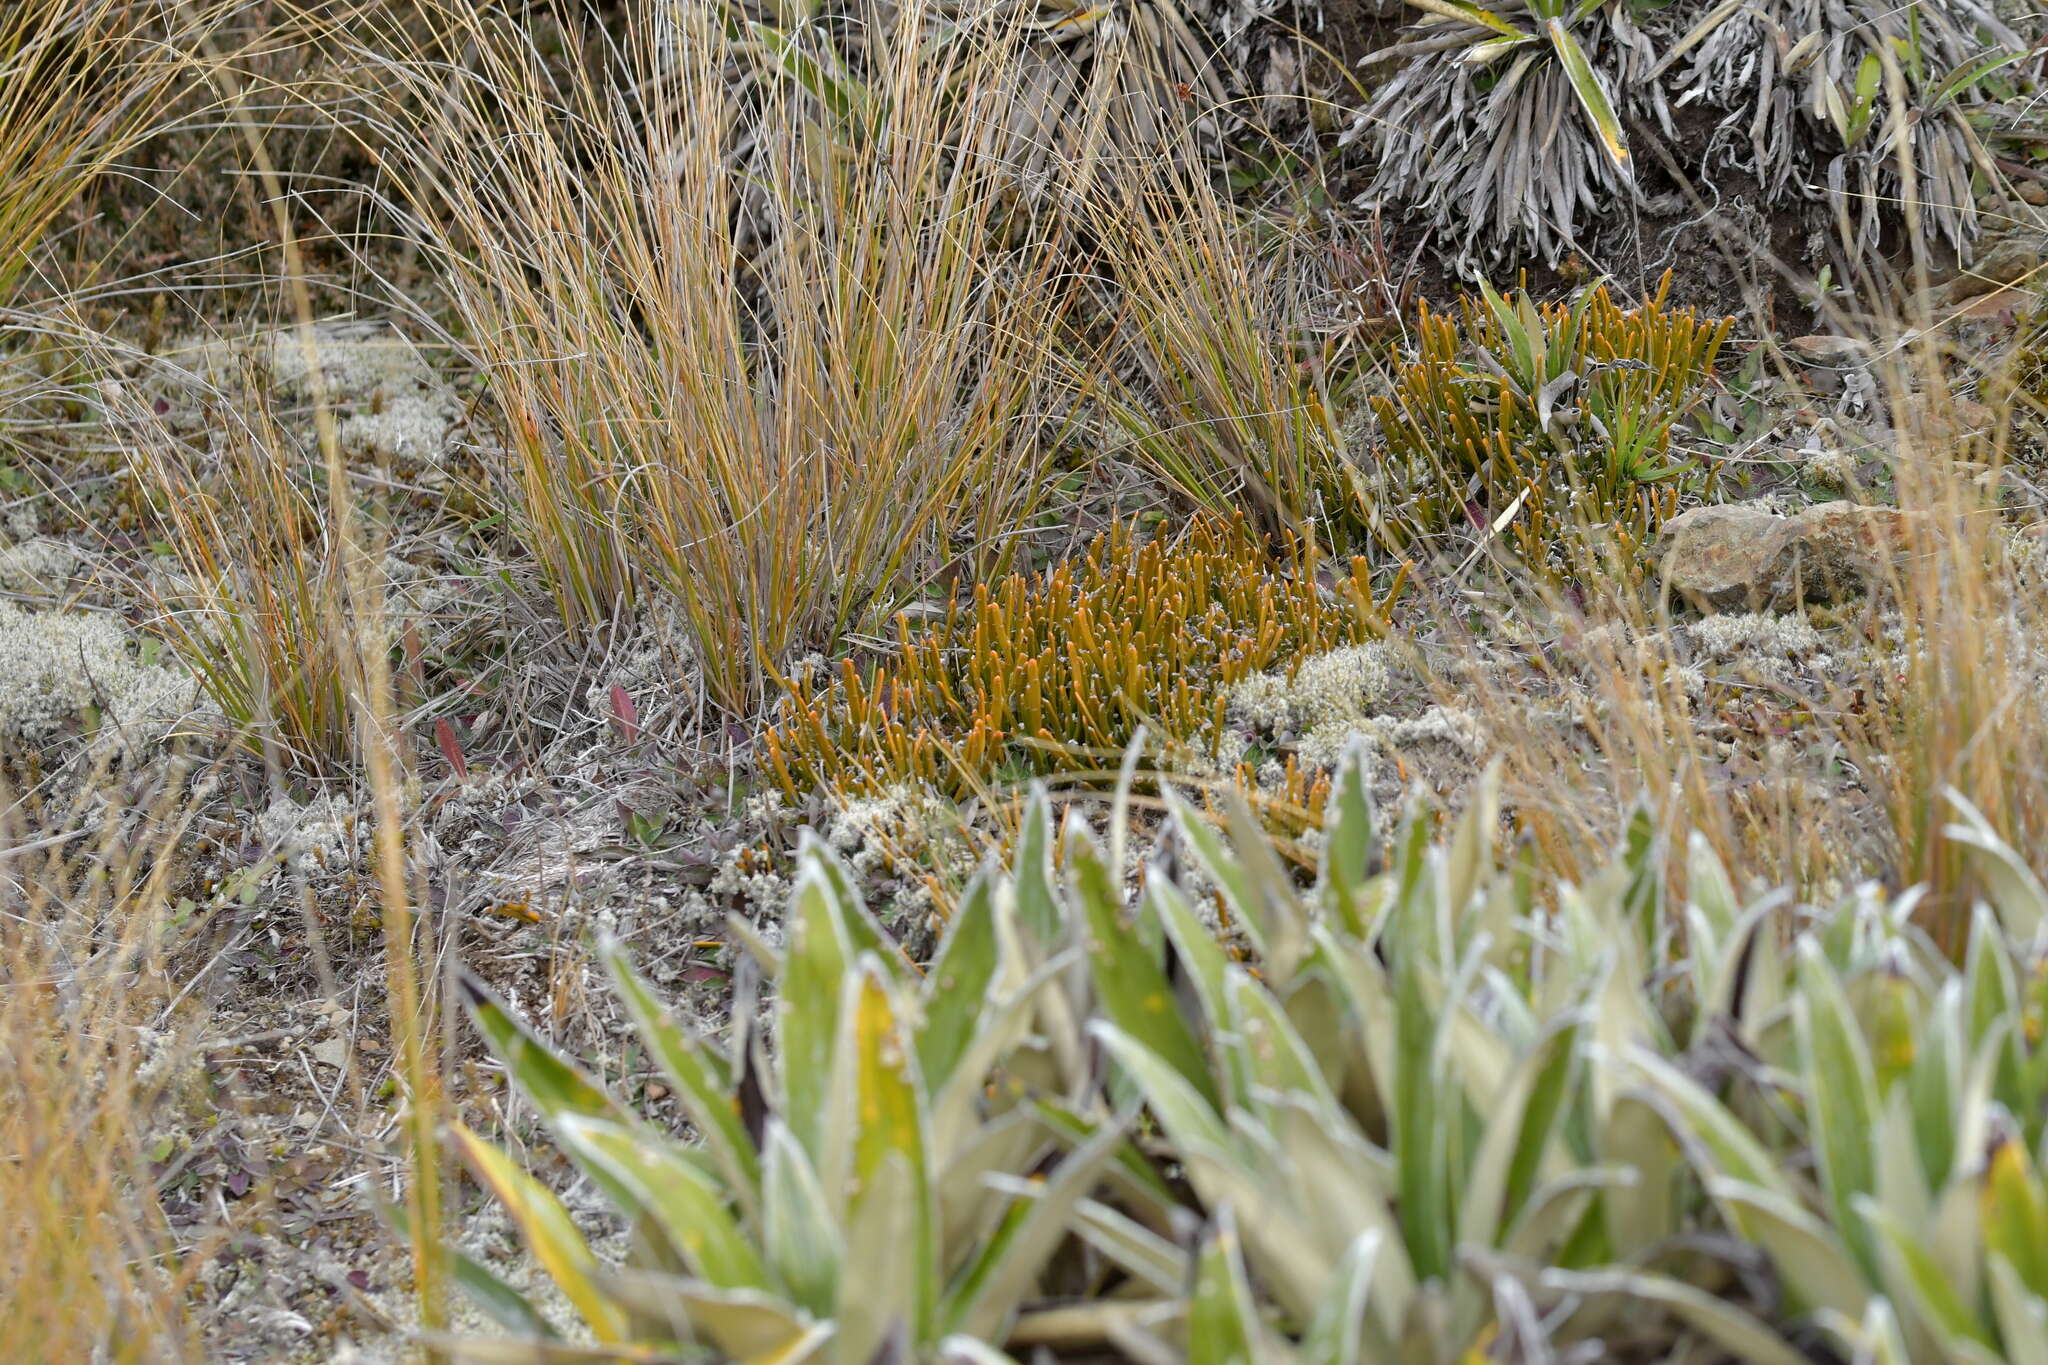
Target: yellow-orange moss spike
[(1132, 631)]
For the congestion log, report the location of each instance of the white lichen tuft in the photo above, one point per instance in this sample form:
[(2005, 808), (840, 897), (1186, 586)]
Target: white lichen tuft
[(1735, 635), (1834, 469), (391, 400), (412, 592), (902, 826), (1327, 689), (1324, 746), (1450, 725), (656, 669), (754, 882), (62, 669), (2028, 554), (39, 567), (319, 836), (387, 398)]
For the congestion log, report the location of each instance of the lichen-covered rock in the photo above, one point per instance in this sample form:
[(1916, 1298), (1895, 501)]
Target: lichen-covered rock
[(1741, 558), (1827, 351)]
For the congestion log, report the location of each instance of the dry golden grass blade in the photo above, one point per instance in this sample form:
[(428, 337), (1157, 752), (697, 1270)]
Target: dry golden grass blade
[(88, 1268), (1220, 380), (1972, 611), (362, 634)]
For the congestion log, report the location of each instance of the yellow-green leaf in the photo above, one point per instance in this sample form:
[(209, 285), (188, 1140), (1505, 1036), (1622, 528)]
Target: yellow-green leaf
[(548, 1231), (1579, 71)]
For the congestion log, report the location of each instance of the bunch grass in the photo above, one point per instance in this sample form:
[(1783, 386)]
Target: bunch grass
[(259, 606), (83, 82), (742, 320), (91, 1270), (1223, 375)]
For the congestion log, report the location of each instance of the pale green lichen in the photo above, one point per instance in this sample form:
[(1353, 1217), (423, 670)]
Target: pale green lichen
[(1835, 469), (321, 835), (1336, 697), (1738, 634), (60, 670), (387, 398), (901, 829), (1329, 688), (39, 567), (393, 403), (1324, 745)]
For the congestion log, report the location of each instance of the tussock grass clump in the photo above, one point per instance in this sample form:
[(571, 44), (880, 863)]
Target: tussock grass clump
[(81, 83), (1543, 421), (1056, 672), (741, 317), (1230, 379), (259, 605)]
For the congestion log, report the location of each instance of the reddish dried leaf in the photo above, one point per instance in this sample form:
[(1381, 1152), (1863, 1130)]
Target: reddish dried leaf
[(628, 714), (451, 748)]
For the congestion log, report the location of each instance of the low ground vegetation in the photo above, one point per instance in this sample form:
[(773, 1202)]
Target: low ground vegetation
[(885, 682)]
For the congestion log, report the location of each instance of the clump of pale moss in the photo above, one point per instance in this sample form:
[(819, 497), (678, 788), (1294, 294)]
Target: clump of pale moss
[(2027, 553), (63, 670), (1736, 634), (1454, 727), (388, 399), (1338, 686), (38, 568), (1834, 469), (657, 669)]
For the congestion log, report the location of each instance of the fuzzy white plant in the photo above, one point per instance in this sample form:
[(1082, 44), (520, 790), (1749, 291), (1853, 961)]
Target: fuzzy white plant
[(65, 669)]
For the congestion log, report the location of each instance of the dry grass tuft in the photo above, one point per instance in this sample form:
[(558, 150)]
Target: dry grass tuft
[(1969, 661), (1233, 377), (260, 605), (87, 1270), (741, 318), (82, 82)]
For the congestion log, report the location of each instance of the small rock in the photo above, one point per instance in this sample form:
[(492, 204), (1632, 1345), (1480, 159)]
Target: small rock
[(2005, 261), (332, 1052), (1830, 352), (1740, 558), (1973, 416), (2033, 191)]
